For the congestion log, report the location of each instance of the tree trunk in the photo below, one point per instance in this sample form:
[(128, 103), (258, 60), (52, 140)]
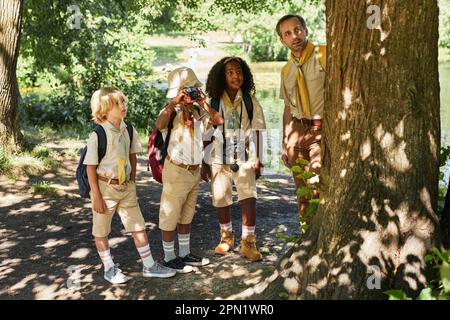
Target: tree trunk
[(10, 29), (381, 141)]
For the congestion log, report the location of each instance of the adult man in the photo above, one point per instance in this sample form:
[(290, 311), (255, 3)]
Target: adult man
[(302, 89)]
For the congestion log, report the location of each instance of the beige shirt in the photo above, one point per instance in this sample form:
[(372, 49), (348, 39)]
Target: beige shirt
[(243, 135), (315, 77), (108, 166), (186, 145)]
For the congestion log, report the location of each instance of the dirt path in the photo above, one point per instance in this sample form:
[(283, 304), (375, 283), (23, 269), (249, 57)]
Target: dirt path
[(43, 239)]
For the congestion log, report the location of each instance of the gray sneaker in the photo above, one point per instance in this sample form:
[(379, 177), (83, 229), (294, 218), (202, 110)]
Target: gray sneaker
[(158, 271), (115, 275)]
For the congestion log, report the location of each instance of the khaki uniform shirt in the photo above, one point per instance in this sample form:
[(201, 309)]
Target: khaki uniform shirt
[(314, 75), (108, 166)]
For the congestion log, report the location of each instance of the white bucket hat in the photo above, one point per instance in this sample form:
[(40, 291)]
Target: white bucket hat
[(182, 76)]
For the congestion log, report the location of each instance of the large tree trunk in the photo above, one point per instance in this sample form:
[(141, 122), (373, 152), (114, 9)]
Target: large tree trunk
[(381, 141), (10, 29)]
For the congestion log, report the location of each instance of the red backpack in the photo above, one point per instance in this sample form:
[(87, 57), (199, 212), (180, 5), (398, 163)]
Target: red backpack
[(157, 150)]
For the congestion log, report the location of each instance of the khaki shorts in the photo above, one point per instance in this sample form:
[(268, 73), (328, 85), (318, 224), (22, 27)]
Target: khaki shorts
[(123, 200), (303, 142), (222, 183), (179, 196)]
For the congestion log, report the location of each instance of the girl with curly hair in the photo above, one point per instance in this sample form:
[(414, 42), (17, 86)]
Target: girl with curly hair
[(231, 89)]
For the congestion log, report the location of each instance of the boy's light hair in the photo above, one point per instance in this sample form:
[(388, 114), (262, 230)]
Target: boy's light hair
[(102, 102)]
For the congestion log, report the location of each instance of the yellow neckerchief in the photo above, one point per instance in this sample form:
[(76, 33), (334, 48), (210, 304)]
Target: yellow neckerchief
[(229, 105), (301, 83), (121, 152)]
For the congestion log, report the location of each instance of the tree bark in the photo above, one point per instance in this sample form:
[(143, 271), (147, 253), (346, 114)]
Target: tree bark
[(10, 30), (381, 141)]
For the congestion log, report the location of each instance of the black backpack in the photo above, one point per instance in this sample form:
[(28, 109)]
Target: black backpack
[(83, 183)]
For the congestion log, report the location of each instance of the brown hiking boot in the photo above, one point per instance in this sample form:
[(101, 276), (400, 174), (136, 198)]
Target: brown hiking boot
[(248, 248), (226, 242)]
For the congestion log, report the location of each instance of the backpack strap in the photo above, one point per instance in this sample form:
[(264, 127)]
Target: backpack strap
[(101, 135), (130, 131)]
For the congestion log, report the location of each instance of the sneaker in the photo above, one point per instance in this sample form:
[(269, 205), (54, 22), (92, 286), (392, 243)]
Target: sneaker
[(193, 260), (178, 265), (226, 242), (158, 271), (115, 275), (248, 248)]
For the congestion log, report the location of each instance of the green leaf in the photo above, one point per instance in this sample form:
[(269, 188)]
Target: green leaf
[(304, 192), (396, 295), (444, 271), (280, 235), (428, 258), (426, 294), (311, 209), (283, 295), (297, 169), (307, 175), (302, 162)]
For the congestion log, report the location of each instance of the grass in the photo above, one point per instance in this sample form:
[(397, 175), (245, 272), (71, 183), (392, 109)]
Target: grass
[(45, 188), (444, 55)]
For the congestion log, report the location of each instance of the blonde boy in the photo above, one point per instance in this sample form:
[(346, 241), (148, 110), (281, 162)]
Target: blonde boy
[(113, 187)]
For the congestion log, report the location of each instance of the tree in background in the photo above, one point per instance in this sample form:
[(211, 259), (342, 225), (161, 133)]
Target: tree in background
[(10, 31)]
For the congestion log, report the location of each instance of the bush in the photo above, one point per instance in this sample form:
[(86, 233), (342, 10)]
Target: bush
[(5, 163)]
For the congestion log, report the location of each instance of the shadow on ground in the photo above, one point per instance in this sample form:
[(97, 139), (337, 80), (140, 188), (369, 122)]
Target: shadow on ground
[(46, 242)]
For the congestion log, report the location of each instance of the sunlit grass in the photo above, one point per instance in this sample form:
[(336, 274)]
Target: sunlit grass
[(45, 188)]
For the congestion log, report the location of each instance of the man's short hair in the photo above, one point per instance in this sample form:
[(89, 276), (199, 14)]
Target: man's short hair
[(287, 17)]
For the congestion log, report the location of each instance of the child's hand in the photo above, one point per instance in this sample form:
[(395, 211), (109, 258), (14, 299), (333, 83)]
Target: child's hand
[(258, 166), (98, 203), (206, 172)]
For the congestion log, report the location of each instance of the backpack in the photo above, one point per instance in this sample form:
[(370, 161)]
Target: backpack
[(83, 183), (157, 150)]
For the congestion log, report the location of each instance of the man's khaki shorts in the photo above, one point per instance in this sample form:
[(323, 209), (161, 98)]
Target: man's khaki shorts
[(122, 199), (222, 183), (179, 196)]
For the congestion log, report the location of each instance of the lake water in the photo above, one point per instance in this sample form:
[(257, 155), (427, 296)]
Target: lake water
[(267, 84)]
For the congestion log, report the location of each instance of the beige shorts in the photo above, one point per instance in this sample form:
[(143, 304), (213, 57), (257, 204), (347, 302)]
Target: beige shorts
[(179, 196), (222, 183), (123, 200)]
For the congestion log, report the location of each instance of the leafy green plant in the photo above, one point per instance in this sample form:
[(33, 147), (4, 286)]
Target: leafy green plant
[(439, 288), (5, 163), (306, 192)]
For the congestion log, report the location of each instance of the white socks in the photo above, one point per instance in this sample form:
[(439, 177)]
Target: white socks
[(227, 227), (183, 244), (106, 259), (169, 251), (146, 256), (247, 230)]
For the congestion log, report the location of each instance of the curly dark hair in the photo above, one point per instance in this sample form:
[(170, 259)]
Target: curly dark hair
[(216, 83)]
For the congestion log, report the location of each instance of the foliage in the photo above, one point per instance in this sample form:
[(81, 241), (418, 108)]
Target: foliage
[(5, 162), (305, 192), (45, 188), (439, 288), (443, 159), (444, 23)]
